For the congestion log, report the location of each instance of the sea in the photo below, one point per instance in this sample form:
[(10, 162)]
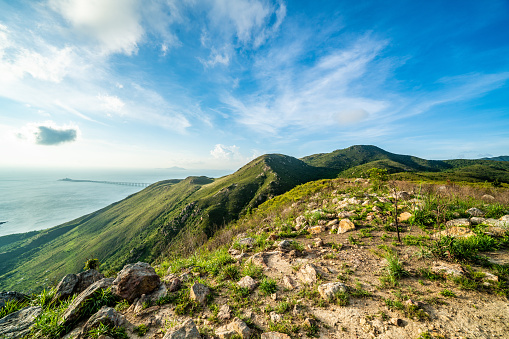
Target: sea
[(36, 199)]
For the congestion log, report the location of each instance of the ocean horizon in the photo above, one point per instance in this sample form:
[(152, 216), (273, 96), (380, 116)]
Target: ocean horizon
[(37, 199)]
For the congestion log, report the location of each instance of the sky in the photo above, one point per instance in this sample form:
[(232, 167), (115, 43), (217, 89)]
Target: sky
[(213, 84)]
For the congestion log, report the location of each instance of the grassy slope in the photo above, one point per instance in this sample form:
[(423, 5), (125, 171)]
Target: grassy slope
[(144, 225)]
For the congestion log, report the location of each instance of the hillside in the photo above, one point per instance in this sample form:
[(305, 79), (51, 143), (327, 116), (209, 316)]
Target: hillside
[(322, 260), (165, 215), (177, 216), (500, 158)]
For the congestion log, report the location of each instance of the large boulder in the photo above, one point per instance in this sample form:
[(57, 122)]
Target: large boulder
[(475, 212), (106, 316), (18, 324), (458, 222), (455, 231), (72, 313), (135, 280), (76, 283), (188, 330)]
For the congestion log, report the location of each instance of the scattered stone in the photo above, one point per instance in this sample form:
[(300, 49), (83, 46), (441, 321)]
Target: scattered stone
[(402, 195), (490, 277), (273, 236), (316, 229), (199, 293), (447, 268), (240, 327), (274, 335), (226, 334), (274, 296), (285, 244), (288, 282), (376, 209), (275, 318), (106, 316), (247, 282), (475, 212), (405, 216), (333, 222), (72, 312), (135, 280), (307, 274), (458, 222), (300, 222), (477, 220), (496, 231), (174, 285), (328, 291), (248, 242), (488, 197), (187, 331), (455, 231), (348, 214), (225, 312), (309, 322), (396, 322), (345, 225), (18, 324), (318, 242)]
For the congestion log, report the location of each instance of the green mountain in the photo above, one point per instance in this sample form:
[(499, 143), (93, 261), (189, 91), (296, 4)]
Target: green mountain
[(500, 158), (164, 216), (177, 216)]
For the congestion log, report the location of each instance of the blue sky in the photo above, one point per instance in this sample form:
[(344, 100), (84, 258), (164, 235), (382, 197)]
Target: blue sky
[(215, 83)]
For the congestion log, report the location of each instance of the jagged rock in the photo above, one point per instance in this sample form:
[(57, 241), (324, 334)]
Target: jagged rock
[(318, 242), (226, 334), (490, 277), (247, 282), (160, 292), (475, 212), (76, 283), (138, 304), (449, 269), (135, 280), (376, 209), (285, 244), (18, 324), (396, 322), (488, 197), (106, 316), (347, 214), (309, 322), (333, 222), (329, 290), (275, 335), (455, 231), (199, 293), (240, 327), (496, 231), (307, 274), (72, 312), (405, 216), (275, 318), (224, 312), (248, 242), (174, 285), (187, 331), (458, 222), (316, 229), (402, 195), (288, 282), (8, 296), (345, 225), (477, 220)]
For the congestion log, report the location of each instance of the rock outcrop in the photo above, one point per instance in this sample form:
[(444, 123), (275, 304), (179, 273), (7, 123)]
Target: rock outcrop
[(18, 324)]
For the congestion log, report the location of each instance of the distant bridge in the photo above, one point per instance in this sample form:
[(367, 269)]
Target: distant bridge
[(138, 184)]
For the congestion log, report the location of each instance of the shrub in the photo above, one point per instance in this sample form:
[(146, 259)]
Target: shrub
[(140, 330), (393, 270), (12, 306), (92, 264), (268, 286), (115, 332)]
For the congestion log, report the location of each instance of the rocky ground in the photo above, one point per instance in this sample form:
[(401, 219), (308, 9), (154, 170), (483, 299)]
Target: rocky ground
[(334, 268)]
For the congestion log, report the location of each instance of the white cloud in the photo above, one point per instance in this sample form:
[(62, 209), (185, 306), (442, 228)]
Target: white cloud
[(111, 103), (217, 57), (249, 19), (115, 24), (223, 152), (48, 133), (312, 98)]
